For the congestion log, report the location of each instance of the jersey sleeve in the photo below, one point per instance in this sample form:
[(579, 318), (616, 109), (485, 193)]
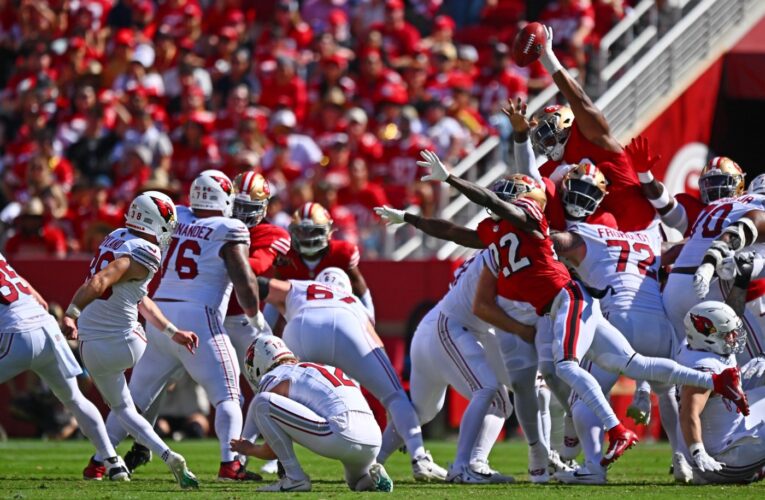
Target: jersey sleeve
[(145, 253), (232, 230), (490, 261), (531, 208), (348, 253), (487, 230)]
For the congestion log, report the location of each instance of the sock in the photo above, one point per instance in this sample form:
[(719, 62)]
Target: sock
[(140, 429), (228, 426), (587, 388), (492, 426), (391, 442), (92, 425), (471, 423), (642, 385), (279, 441), (669, 413), (666, 371), (557, 386), (525, 402), (543, 403), (590, 432), (250, 428), (406, 422)]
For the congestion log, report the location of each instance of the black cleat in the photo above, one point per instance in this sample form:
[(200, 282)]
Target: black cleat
[(137, 456)]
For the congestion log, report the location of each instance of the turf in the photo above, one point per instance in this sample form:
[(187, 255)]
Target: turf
[(35, 469)]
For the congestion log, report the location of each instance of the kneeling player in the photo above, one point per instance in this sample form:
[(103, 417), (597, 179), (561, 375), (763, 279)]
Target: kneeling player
[(725, 447), (316, 406)]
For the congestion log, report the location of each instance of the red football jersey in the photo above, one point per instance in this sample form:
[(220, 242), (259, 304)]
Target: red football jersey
[(693, 207), (342, 254), (267, 242), (625, 199), (529, 269), (555, 213)]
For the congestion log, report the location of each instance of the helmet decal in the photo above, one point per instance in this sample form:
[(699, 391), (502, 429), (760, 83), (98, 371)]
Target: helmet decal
[(165, 209), (225, 183), (703, 325)]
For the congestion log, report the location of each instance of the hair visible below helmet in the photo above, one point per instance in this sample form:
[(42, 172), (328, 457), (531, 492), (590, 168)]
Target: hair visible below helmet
[(153, 213), (251, 199), (336, 278), (310, 229), (212, 190), (715, 326), (264, 354), (720, 178), (583, 188), (550, 134), (757, 186)]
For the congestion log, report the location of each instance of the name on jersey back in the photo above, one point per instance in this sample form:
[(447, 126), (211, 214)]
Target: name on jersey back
[(193, 231)]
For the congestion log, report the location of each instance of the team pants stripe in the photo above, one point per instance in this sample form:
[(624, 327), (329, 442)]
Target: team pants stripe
[(290, 419), (385, 363), (6, 340), (573, 320), (215, 330), (455, 355)]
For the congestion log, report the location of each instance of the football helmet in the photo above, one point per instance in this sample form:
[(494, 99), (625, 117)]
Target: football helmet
[(153, 213), (757, 186), (583, 188), (517, 186), (263, 355), (310, 229), (336, 278), (714, 326), (553, 128), (251, 199), (212, 190), (720, 178)]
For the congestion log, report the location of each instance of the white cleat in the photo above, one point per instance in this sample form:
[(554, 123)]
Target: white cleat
[(380, 478), (582, 475), (495, 477), (186, 479), (270, 467), (116, 470), (571, 445), (288, 485), (681, 469), (538, 461), (640, 408), (555, 464), (425, 469), (465, 475)]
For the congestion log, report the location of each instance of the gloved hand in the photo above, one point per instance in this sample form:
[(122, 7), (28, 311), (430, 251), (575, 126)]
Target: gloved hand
[(258, 321), (727, 268), (560, 172), (703, 461), (702, 278), (548, 58), (432, 162), (390, 215)]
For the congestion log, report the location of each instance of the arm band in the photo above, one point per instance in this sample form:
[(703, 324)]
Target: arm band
[(645, 177), (676, 218), (73, 311), (170, 330), (662, 201), (263, 287)]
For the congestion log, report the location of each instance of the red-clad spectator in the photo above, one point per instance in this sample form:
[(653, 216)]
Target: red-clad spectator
[(361, 196), (130, 174), (463, 109), (499, 82), (278, 166), (221, 13), (329, 119), (227, 119), (60, 168), (400, 39), (243, 161), (443, 32), (72, 125), (362, 144), (331, 74), (183, 17), (91, 214), (144, 18), (287, 32), (119, 58), (343, 220), (284, 88), (35, 238), (607, 14), (196, 150), (41, 184), (572, 22), (337, 161), (372, 77), (444, 61), (416, 79), (302, 150)]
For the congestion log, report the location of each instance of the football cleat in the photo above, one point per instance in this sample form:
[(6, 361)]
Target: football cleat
[(270, 467), (482, 467), (287, 484), (555, 464), (186, 479), (681, 469), (425, 469), (94, 471), (640, 409), (620, 440), (380, 478), (582, 475), (465, 475), (137, 456), (571, 445), (728, 384), (235, 471), (538, 461), (116, 469)]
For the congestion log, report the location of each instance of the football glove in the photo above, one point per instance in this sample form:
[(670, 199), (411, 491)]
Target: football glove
[(432, 162)]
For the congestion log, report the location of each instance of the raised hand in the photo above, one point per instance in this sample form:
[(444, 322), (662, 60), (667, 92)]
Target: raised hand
[(516, 112), (640, 154), (432, 162), (390, 215)]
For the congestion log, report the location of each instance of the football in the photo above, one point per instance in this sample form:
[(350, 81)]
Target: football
[(529, 43)]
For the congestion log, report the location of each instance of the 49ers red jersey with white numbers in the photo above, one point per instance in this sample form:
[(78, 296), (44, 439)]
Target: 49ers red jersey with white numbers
[(293, 266)]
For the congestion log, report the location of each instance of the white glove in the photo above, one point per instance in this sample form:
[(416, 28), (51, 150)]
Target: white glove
[(390, 215), (702, 278), (258, 321), (727, 269), (437, 169), (548, 59), (703, 461), (560, 172)]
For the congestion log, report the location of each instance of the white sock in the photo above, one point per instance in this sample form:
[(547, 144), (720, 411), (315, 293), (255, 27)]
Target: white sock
[(543, 403), (588, 389), (666, 372), (492, 426), (669, 413), (141, 430), (557, 386), (472, 421), (590, 432), (391, 442), (276, 437), (407, 424), (525, 402), (642, 385), (92, 425), (228, 426)]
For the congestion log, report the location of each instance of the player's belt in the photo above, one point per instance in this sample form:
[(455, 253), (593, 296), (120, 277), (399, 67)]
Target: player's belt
[(683, 270)]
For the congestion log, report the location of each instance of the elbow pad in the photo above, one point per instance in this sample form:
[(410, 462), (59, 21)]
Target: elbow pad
[(676, 218), (742, 233)]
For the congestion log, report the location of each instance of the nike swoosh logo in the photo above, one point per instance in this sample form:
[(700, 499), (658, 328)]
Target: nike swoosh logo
[(282, 488), (576, 474)]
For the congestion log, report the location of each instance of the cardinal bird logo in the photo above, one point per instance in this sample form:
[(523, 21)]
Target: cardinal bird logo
[(225, 184), (165, 209), (703, 324)]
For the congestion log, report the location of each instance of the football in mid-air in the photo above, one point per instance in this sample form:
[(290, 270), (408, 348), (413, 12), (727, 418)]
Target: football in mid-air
[(529, 44)]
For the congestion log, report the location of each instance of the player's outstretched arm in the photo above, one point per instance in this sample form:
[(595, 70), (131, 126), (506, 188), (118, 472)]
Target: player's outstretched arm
[(590, 120), (438, 228), (523, 152), (154, 315), (485, 308), (235, 257)]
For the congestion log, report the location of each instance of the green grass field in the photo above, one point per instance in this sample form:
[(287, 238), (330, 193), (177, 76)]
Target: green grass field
[(35, 469)]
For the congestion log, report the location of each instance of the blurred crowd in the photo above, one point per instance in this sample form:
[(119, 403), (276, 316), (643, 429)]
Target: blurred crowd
[(330, 99)]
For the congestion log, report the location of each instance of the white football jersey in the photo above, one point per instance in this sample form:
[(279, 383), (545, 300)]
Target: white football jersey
[(305, 294), (19, 311), (324, 389), (624, 267), (116, 311), (192, 268), (720, 422), (711, 223)]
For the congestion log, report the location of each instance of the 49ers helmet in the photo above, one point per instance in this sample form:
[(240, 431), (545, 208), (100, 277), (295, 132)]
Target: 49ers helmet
[(517, 186), (583, 188), (310, 229), (720, 178), (553, 128), (212, 190), (715, 326), (153, 213), (251, 199)]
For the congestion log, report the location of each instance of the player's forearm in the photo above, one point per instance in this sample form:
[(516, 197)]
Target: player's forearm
[(149, 310), (525, 161), (444, 229), (242, 277), (89, 291), (490, 312), (691, 427)]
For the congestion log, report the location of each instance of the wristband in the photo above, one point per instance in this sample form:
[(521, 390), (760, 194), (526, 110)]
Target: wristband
[(696, 448), (645, 177), (170, 330), (550, 62), (73, 311), (662, 201)]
